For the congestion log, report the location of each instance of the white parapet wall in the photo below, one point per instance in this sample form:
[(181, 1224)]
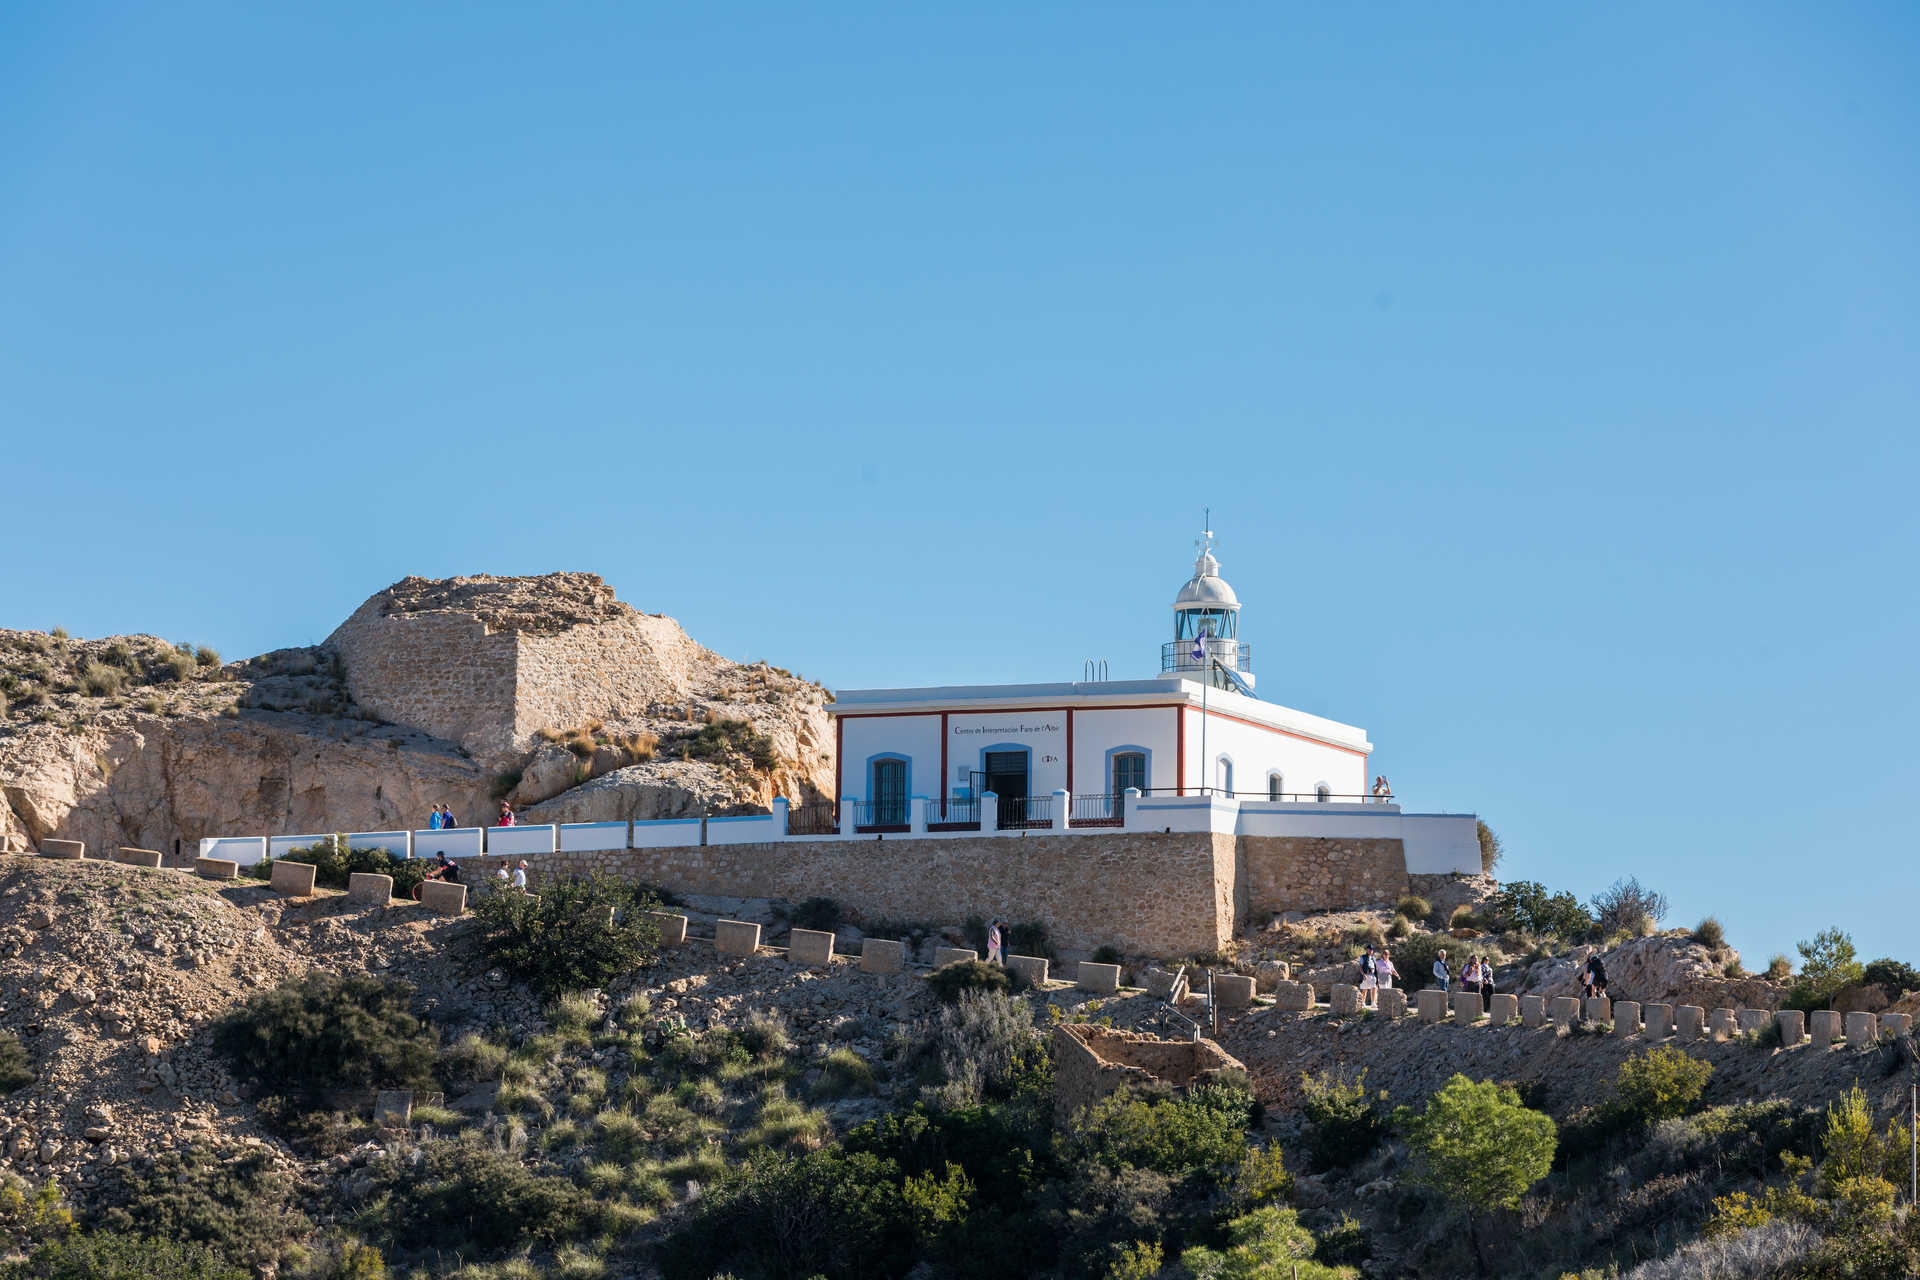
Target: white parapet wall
[(593, 837), (1441, 843), (455, 842), (666, 833), (756, 828), (281, 846), (245, 851), (518, 842), (397, 843)]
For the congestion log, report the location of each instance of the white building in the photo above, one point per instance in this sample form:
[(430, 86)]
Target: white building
[(1196, 729)]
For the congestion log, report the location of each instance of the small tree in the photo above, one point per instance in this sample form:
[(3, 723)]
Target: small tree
[(1490, 848), (1826, 965), (579, 932), (1661, 1084), (1526, 906), (1343, 1120), (1478, 1146), (1625, 903)]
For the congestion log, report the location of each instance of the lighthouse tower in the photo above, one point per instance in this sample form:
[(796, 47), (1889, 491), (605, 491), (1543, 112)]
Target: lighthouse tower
[(1206, 628)]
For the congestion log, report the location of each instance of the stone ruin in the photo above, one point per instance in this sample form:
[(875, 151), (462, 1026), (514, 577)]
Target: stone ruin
[(1090, 1062)]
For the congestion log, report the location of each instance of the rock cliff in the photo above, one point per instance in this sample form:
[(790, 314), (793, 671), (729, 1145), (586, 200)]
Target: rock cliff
[(545, 690)]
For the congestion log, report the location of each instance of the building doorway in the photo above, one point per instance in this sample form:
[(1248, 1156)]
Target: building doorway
[(1006, 776)]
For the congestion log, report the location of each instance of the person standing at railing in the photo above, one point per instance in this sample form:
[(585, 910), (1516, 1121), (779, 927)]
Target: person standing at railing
[(506, 815), (1382, 792)]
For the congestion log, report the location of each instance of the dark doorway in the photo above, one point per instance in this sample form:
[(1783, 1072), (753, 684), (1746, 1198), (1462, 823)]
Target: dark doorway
[(1007, 778)]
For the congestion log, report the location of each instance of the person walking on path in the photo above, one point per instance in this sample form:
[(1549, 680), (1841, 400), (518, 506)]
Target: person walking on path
[(1440, 974), (1387, 972), (446, 818), (996, 951), (506, 815), (520, 876), (433, 819), (1369, 978)]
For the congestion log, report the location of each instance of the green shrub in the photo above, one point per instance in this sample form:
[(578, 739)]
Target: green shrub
[(1525, 906), (108, 1255), (1827, 965), (98, 680), (1463, 918), (323, 1032), (582, 931), (239, 1206), (1268, 1242), (1779, 968), (175, 664), (1413, 958), (723, 739), (1105, 953), (1895, 975), (333, 860), (765, 1036), (822, 914), (1477, 1146), (16, 1068), (1491, 849), (1660, 1084), (982, 1045), (1344, 1123), (1174, 1137), (1414, 907), (1625, 904), (1031, 939), (1709, 933), (465, 1197), (206, 656), (950, 981)]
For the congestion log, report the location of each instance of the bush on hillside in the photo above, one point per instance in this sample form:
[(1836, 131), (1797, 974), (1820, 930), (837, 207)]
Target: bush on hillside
[(468, 1198), (16, 1068), (1491, 849), (1413, 958), (323, 1032), (109, 1255), (579, 932), (724, 739), (1476, 1145), (241, 1208), (1827, 965), (333, 860), (1661, 1084), (823, 914), (1525, 906), (1709, 933), (1414, 907), (1625, 904), (1344, 1122), (1200, 1133), (951, 981), (1895, 975), (1031, 940)]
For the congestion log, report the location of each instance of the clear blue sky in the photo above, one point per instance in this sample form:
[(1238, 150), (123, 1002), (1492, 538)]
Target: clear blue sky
[(1551, 372)]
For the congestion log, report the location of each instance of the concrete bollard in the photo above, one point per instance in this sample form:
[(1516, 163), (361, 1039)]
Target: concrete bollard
[(1721, 1025), (1393, 1002), (672, 927), (1752, 1021), (1467, 1008), (393, 1108), (1862, 1029), (1104, 978), (1565, 1010), (944, 956), (1346, 998), (1793, 1026), (1231, 990), (1033, 970), (442, 898), (1159, 982), (1824, 1026), (69, 850), (1432, 1004), (1690, 1022), (216, 868), (1296, 997), (810, 948), (1533, 1010), (295, 878), (1269, 972), (1626, 1018), (1504, 1008), (362, 886), (882, 955), (1659, 1021), (137, 857), (736, 937), (1599, 1009), (1896, 1024)]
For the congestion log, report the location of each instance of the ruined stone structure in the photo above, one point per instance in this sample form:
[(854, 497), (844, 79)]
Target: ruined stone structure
[(1091, 1062)]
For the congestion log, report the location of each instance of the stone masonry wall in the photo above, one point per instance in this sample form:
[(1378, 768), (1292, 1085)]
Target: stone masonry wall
[(1303, 873), (1091, 1062), (1150, 893), (598, 670)]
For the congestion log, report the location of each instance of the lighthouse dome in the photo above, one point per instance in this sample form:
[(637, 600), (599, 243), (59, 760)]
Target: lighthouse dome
[(1206, 589)]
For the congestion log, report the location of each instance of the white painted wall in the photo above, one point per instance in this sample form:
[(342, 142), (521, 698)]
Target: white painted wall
[(1255, 751), (747, 829), (280, 846), (1441, 843), (971, 735), (915, 737), (244, 850), (397, 843), (455, 842), (518, 842), (1095, 733), (592, 837), (666, 833)]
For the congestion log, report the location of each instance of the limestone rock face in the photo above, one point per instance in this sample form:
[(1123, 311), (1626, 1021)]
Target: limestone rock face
[(1662, 969), (453, 691)]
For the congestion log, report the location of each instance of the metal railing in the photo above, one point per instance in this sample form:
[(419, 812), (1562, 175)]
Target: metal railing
[(1027, 812), (1097, 811), (819, 818), (870, 816), (954, 813), (1289, 797), (1177, 655)]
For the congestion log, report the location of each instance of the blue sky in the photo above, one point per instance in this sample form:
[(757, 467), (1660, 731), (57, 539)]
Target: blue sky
[(1550, 373)]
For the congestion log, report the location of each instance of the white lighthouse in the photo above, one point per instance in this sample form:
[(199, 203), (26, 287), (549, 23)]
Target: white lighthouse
[(1206, 641)]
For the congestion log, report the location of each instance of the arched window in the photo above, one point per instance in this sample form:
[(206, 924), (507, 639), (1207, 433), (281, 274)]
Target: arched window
[(1323, 793), (1129, 770), (1276, 788), (889, 791), (1223, 772)]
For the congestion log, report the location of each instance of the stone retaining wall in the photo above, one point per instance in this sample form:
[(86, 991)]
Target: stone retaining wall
[(1091, 1062), (1310, 873)]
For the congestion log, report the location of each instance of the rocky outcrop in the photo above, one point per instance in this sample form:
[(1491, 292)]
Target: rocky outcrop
[(1665, 968), (455, 691)]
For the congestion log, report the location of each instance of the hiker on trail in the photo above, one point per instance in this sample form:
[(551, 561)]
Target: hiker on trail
[(1387, 972), (996, 952), (1470, 976), (433, 819), (1486, 983), (1440, 974), (1595, 976), (1369, 978), (446, 818), (506, 815), (520, 876)]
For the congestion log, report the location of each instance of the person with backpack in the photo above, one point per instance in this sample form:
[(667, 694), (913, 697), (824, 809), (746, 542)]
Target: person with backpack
[(1369, 978), (1599, 969)]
